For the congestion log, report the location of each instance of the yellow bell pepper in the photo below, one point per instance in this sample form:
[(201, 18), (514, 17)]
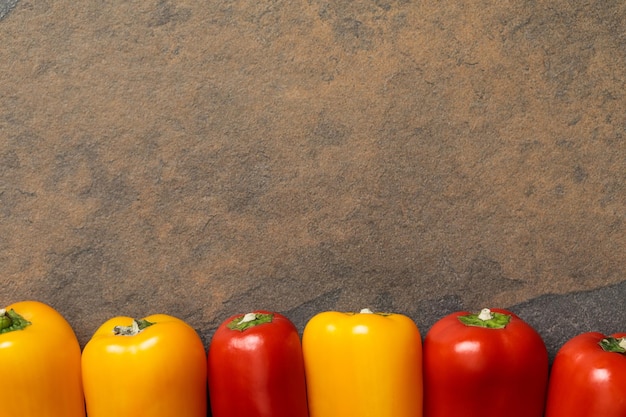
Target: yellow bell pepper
[(153, 367), (363, 365), (40, 359)]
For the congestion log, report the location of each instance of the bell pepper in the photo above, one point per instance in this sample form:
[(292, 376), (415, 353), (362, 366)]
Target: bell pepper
[(40, 358), (256, 368), (491, 364), (588, 377), (153, 367), (363, 364)]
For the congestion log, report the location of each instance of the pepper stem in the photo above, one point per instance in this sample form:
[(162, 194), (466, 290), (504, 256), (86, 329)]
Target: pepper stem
[(136, 327), (5, 321), (487, 319), (613, 344), (11, 321), (485, 314), (250, 320), (370, 311)]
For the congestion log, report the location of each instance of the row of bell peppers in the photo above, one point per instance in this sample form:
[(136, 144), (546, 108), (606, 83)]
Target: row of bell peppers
[(487, 364)]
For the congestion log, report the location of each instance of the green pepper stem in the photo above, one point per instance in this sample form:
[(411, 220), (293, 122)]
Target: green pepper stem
[(250, 320), (612, 344), (487, 319)]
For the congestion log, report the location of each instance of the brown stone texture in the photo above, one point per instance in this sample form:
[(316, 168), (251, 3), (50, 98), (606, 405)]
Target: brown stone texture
[(206, 158)]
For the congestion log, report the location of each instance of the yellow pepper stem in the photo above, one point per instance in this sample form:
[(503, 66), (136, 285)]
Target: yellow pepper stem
[(5, 321), (11, 321), (136, 327), (369, 311)]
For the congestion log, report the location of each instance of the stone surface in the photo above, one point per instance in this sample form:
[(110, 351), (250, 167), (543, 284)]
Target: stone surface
[(205, 158)]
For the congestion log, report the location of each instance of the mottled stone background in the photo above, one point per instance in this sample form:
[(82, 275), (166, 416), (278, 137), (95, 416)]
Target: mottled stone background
[(205, 158)]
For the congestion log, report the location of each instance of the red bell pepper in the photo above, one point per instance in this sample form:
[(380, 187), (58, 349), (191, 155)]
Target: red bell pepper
[(256, 368), (491, 364), (588, 377)]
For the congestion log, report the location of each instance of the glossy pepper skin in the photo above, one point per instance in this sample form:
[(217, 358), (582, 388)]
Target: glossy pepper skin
[(256, 368), (40, 368), (363, 364), (474, 371), (588, 381), (156, 371)]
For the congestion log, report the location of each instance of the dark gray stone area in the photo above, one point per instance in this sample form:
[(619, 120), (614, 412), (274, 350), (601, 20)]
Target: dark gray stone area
[(558, 318)]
